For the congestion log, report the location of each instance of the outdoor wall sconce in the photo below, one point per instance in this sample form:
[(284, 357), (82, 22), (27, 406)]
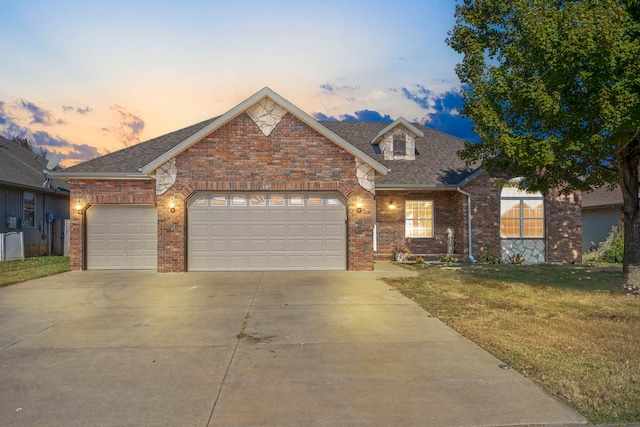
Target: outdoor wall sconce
[(172, 205), (359, 204), (79, 206), (392, 205)]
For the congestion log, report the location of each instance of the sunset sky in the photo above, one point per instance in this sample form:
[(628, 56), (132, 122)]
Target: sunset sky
[(83, 78)]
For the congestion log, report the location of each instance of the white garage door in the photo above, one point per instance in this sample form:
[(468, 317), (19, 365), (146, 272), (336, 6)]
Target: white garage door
[(122, 238), (267, 232)]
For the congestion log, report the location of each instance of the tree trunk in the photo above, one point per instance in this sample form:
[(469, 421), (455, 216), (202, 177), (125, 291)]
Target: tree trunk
[(628, 162)]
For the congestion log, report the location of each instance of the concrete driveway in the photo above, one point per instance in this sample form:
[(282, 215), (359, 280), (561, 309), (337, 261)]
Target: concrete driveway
[(320, 349)]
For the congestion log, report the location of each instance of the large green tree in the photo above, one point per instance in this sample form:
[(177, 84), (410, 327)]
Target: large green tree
[(553, 88)]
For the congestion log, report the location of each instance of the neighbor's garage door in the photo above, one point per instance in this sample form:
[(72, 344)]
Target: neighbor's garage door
[(122, 238), (267, 232)]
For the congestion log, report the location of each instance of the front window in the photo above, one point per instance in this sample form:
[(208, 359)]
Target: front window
[(418, 216), (29, 216), (521, 214), (399, 143)]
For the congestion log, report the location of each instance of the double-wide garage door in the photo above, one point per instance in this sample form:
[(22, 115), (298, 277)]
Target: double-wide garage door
[(122, 238), (260, 231)]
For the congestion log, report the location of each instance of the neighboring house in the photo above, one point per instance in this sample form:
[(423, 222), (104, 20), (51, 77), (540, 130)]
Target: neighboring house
[(601, 211), (30, 201), (267, 187)]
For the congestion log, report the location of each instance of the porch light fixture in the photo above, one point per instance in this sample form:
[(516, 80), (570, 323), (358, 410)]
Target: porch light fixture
[(172, 205), (79, 206), (359, 204), (392, 205)]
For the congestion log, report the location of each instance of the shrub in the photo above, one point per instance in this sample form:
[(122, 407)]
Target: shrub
[(448, 258), (610, 251), (490, 259)]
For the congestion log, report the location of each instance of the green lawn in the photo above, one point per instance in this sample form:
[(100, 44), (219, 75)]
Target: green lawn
[(31, 268), (569, 328)]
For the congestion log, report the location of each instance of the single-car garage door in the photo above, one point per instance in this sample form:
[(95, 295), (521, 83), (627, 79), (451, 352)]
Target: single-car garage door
[(261, 231), (122, 238)]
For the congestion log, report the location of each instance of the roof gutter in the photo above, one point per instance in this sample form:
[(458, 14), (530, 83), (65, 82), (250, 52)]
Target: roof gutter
[(471, 258)]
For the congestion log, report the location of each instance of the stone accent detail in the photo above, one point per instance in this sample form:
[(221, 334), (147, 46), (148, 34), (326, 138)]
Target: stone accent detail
[(266, 114), (166, 177), (366, 175), (532, 250), (386, 145)]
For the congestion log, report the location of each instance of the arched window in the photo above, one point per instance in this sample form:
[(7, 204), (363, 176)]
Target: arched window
[(521, 214), (399, 143)]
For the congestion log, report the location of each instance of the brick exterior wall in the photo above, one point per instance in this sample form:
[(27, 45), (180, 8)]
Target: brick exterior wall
[(391, 222), (562, 222), (238, 157), (485, 215), (102, 192), (295, 158)]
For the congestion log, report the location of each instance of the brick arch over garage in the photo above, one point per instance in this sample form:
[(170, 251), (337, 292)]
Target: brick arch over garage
[(239, 157), (172, 227)]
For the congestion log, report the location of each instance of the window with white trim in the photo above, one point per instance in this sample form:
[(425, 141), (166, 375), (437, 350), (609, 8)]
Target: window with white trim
[(418, 216), (521, 214)]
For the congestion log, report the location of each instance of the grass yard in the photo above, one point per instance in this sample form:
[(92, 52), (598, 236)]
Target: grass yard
[(569, 328), (31, 268)]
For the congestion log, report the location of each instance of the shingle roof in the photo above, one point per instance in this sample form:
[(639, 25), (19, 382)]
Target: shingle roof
[(132, 159), (20, 167), (436, 165), (601, 197)]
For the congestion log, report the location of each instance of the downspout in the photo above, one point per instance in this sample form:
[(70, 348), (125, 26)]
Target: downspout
[(471, 258)]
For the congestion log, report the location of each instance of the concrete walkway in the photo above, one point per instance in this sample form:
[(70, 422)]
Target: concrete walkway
[(317, 349)]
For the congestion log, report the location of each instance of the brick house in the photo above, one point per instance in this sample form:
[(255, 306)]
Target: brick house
[(267, 187)]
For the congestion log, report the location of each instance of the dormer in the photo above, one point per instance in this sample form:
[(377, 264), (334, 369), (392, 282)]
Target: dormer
[(398, 140)]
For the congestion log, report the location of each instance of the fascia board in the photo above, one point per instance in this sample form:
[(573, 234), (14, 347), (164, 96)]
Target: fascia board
[(402, 121), (417, 187), (242, 107), (100, 175), (471, 177)]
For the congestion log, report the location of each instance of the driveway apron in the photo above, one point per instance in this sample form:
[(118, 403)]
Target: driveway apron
[(246, 349)]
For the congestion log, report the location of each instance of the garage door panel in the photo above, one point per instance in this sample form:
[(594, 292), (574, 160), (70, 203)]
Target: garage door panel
[(217, 230), (277, 245), (315, 215), (199, 215), (333, 216), (237, 230), (296, 230), (122, 237), (296, 214), (277, 229), (334, 231), (253, 232), (238, 245), (257, 230), (257, 245), (315, 245), (315, 230), (238, 214), (297, 245), (334, 245)]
